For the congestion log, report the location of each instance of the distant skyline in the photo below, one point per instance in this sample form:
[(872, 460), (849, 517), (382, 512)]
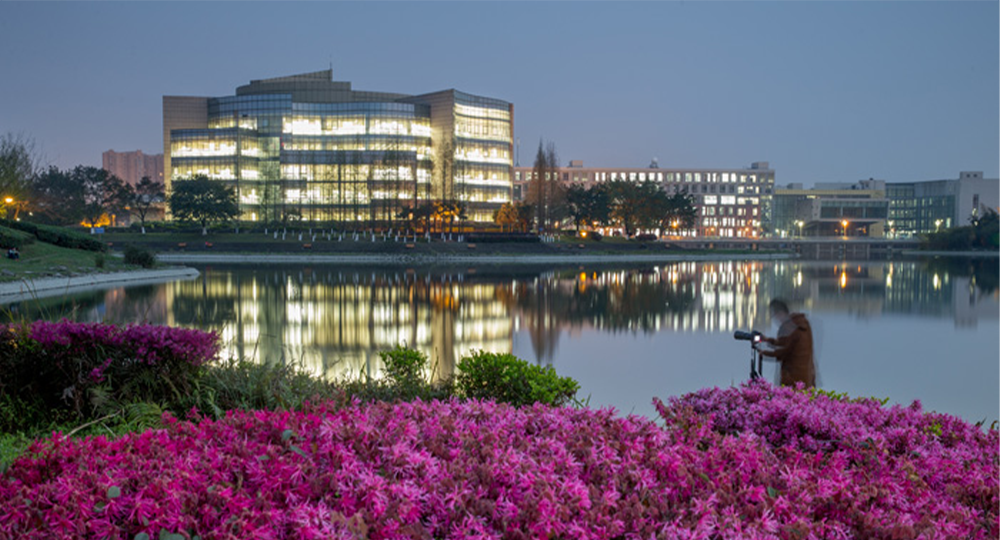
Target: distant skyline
[(825, 92)]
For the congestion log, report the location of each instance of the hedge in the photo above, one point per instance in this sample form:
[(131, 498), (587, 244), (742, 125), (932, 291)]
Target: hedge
[(13, 238), (57, 235)]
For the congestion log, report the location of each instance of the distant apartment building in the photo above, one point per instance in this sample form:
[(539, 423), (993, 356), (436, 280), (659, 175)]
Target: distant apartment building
[(309, 148), (929, 206), (133, 166), (830, 209), (731, 203)]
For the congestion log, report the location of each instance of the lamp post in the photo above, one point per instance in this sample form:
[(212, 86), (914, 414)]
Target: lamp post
[(937, 225), (844, 224), (800, 224)]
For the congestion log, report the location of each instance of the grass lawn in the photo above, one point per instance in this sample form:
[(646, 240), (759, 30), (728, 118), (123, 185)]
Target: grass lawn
[(46, 260)]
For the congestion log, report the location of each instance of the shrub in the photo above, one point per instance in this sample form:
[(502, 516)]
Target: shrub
[(12, 238), (495, 238), (645, 237), (139, 256), (507, 378), (404, 366), (595, 236), (70, 370), (99, 260), (405, 379), (488, 470), (57, 235)]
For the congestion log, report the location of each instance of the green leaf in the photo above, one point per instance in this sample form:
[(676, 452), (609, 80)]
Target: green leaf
[(771, 492), (141, 536), (114, 492), (298, 451), (287, 434)]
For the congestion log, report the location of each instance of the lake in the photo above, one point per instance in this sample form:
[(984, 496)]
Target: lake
[(906, 330)]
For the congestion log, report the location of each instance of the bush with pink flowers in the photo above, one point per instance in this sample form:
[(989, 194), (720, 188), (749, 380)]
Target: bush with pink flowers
[(749, 462), (51, 371)]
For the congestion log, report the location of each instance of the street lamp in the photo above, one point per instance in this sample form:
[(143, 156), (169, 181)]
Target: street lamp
[(937, 225), (800, 224), (844, 224)]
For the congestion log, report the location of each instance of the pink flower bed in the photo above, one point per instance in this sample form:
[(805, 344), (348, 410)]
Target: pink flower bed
[(750, 462)]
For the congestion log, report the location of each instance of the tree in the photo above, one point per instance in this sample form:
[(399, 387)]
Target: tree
[(103, 194), (202, 200), (141, 198), (634, 205), (587, 205), (525, 215), (545, 191), (676, 212), (506, 217), (57, 199), (19, 165)]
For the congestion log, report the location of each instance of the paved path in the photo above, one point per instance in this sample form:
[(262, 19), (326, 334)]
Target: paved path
[(15, 291)]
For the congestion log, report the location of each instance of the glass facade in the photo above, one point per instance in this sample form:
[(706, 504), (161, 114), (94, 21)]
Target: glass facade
[(921, 207), (482, 161), (337, 158)]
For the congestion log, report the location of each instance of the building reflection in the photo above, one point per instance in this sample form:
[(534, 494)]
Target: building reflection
[(334, 320)]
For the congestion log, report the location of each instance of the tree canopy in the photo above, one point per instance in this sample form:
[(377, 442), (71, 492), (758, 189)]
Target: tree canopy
[(202, 200), (141, 198)]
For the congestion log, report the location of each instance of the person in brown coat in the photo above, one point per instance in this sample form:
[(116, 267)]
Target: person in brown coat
[(793, 347)]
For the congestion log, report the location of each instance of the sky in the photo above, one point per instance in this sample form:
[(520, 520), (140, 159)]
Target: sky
[(823, 91)]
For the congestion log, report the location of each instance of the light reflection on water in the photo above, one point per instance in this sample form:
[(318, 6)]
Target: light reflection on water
[(905, 330)]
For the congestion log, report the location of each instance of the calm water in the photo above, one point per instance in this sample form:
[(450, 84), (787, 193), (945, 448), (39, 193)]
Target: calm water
[(923, 330)]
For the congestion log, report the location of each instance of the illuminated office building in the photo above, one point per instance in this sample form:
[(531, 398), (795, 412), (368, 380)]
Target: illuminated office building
[(731, 203), (830, 209), (306, 147), (924, 207)]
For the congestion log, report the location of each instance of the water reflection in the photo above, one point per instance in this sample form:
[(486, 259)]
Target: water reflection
[(334, 319)]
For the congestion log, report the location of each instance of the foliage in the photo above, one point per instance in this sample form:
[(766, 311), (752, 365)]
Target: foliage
[(57, 197), (13, 238), (634, 204), (506, 217), (99, 260), (77, 370), (103, 193), (546, 192), (982, 233), (488, 470), (588, 206), (405, 379), (203, 200), (57, 235), (139, 256), (141, 198), (507, 378), (19, 163), (240, 384), (507, 238)]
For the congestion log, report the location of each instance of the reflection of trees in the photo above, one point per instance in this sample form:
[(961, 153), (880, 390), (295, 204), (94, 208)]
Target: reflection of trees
[(982, 271)]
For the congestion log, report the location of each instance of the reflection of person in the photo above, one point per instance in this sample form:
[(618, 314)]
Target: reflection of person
[(793, 347)]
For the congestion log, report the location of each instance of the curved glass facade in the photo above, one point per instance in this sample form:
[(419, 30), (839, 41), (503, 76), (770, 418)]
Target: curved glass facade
[(346, 160)]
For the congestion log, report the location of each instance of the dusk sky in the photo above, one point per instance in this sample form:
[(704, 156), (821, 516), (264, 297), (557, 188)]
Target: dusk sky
[(826, 92)]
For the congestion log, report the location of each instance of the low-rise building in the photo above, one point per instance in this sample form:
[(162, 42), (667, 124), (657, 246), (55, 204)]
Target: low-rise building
[(929, 206), (731, 203), (830, 209)]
